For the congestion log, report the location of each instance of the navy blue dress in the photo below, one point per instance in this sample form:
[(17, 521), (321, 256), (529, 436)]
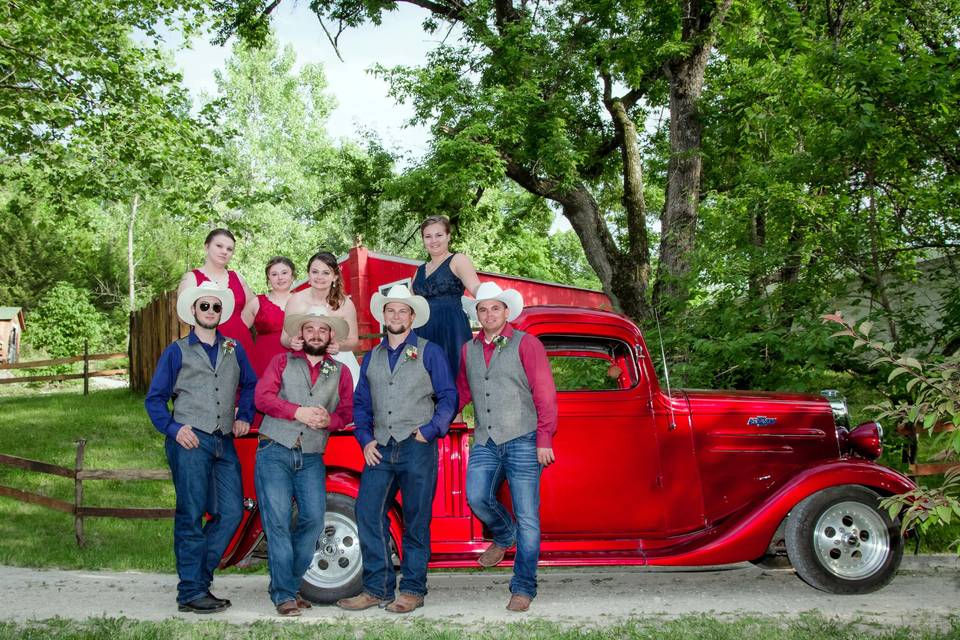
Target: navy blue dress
[(448, 325)]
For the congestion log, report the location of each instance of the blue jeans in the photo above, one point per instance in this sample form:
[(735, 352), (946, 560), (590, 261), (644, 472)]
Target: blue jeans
[(207, 480), (410, 467), (282, 475), (515, 461)]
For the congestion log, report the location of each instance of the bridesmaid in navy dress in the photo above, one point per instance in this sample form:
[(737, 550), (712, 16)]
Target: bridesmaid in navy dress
[(442, 280)]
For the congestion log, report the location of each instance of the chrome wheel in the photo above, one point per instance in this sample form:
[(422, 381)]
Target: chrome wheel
[(337, 560), (851, 540), (840, 540)]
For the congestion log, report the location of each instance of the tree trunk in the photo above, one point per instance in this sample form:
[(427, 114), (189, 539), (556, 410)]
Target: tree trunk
[(131, 266), (678, 224), (622, 279), (631, 278)]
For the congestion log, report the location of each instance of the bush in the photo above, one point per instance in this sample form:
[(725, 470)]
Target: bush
[(63, 321), (929, 399)]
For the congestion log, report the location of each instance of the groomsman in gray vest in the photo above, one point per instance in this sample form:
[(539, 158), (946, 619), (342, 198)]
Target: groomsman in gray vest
[(202, 374), (505, 372), (403, 403), (304, 395)]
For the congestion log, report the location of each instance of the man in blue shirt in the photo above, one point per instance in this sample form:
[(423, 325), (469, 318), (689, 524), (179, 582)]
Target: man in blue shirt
[(202, 374), (404, 401)]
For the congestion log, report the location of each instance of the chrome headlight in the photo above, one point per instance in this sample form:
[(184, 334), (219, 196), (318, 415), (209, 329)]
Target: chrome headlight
[(841, 414)]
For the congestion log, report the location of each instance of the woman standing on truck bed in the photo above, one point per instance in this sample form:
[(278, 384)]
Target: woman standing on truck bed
[(219, 246), (442, 281), (266, 312)]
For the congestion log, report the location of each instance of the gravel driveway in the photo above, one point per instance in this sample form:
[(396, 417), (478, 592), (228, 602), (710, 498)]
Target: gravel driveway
[(926, 586)]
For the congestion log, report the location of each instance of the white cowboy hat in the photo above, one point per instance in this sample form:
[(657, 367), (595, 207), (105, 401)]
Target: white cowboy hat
[(207, 288), (294, 321), (400, 293), (492, 291)]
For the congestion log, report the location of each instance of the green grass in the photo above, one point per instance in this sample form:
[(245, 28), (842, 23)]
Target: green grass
[(805, 627), (119, 435)]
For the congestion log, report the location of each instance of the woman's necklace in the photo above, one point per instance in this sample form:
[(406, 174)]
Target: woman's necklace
[(219, 281)]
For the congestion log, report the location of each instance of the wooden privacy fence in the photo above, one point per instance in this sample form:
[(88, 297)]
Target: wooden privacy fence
[(152, 328), (79, 474), (86, 359)]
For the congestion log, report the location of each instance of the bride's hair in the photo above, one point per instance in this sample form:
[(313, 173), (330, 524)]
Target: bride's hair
[(335, 298)]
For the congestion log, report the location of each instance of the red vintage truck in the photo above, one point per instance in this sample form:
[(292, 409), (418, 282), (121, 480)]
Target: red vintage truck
[(647, 476)]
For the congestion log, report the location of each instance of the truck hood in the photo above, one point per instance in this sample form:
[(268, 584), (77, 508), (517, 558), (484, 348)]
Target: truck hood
[(703, 401)]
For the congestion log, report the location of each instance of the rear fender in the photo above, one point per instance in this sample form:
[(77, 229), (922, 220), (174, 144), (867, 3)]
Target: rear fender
[(746, 537)]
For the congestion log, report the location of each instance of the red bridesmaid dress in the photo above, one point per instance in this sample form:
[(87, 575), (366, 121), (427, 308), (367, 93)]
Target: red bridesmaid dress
[(269, 325)]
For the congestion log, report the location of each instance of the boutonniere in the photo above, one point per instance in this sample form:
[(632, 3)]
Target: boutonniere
[(229, 346), (500, 342), (410, 353), (327, 368)]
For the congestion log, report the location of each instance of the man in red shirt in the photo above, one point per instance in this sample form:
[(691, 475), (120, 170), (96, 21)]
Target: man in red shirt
[(506, 373), (304, 395)]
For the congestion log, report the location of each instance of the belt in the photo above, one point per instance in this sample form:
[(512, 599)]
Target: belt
[(264, 438)]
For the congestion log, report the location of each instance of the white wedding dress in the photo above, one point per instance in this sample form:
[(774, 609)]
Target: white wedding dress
[(345, 357)]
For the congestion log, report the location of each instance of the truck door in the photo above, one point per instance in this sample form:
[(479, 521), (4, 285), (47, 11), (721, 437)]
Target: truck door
[(603, 483)]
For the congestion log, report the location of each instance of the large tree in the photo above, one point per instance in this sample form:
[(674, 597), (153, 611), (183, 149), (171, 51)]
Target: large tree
[(550, 95)]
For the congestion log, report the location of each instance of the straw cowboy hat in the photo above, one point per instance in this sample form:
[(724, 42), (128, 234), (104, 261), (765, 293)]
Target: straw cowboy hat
[(294, 321), (492, 291), (207, 288), (400, 293)]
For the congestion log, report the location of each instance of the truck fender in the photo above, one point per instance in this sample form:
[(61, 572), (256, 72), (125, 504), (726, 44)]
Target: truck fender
[(746, 537)]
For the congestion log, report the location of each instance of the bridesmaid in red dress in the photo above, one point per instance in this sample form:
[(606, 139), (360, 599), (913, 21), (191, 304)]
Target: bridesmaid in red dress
[(266, 312), (219, 246)]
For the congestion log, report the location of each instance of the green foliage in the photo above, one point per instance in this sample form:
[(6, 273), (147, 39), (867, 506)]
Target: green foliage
[(582, 374), (64, 321), (282, 183), (929, 398)]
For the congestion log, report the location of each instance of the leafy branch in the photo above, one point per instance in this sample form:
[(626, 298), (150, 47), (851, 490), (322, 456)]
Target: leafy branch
[(930, 404)]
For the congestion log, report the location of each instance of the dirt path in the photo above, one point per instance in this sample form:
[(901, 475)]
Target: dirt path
[(925, 588)]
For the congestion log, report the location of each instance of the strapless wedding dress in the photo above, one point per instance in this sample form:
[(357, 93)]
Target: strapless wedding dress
[(344, 357)]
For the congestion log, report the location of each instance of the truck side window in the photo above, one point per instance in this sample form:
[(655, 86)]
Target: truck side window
[(589, 365)]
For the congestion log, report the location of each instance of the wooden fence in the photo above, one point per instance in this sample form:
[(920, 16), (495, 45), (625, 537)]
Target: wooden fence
[(152, 328), (86, 359), (79, 474)]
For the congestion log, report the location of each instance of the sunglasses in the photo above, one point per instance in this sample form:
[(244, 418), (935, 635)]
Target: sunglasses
[(205, 306)]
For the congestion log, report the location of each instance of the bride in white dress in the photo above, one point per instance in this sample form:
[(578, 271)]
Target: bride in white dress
[(326, 295)]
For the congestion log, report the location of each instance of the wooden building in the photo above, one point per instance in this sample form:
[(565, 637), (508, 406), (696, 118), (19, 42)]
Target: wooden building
[(11, 328)]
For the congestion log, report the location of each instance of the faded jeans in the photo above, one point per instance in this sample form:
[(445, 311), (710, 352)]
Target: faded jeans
[(516, 462), (410, 467), (207, 480), (282, 475)]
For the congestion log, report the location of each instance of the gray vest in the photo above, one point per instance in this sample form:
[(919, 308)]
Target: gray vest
[(402, 398), (502, 400), (295, 387), (205, 397)]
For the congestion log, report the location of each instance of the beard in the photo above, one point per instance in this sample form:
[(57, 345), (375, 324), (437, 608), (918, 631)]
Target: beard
[(315, 349), (205, 325), (396, 330)]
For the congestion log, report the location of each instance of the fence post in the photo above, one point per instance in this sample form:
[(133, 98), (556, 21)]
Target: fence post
[(86, 367), (78, 494)]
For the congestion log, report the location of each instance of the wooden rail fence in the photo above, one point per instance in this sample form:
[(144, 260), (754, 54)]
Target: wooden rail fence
[(86, 359), (79, 474)]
